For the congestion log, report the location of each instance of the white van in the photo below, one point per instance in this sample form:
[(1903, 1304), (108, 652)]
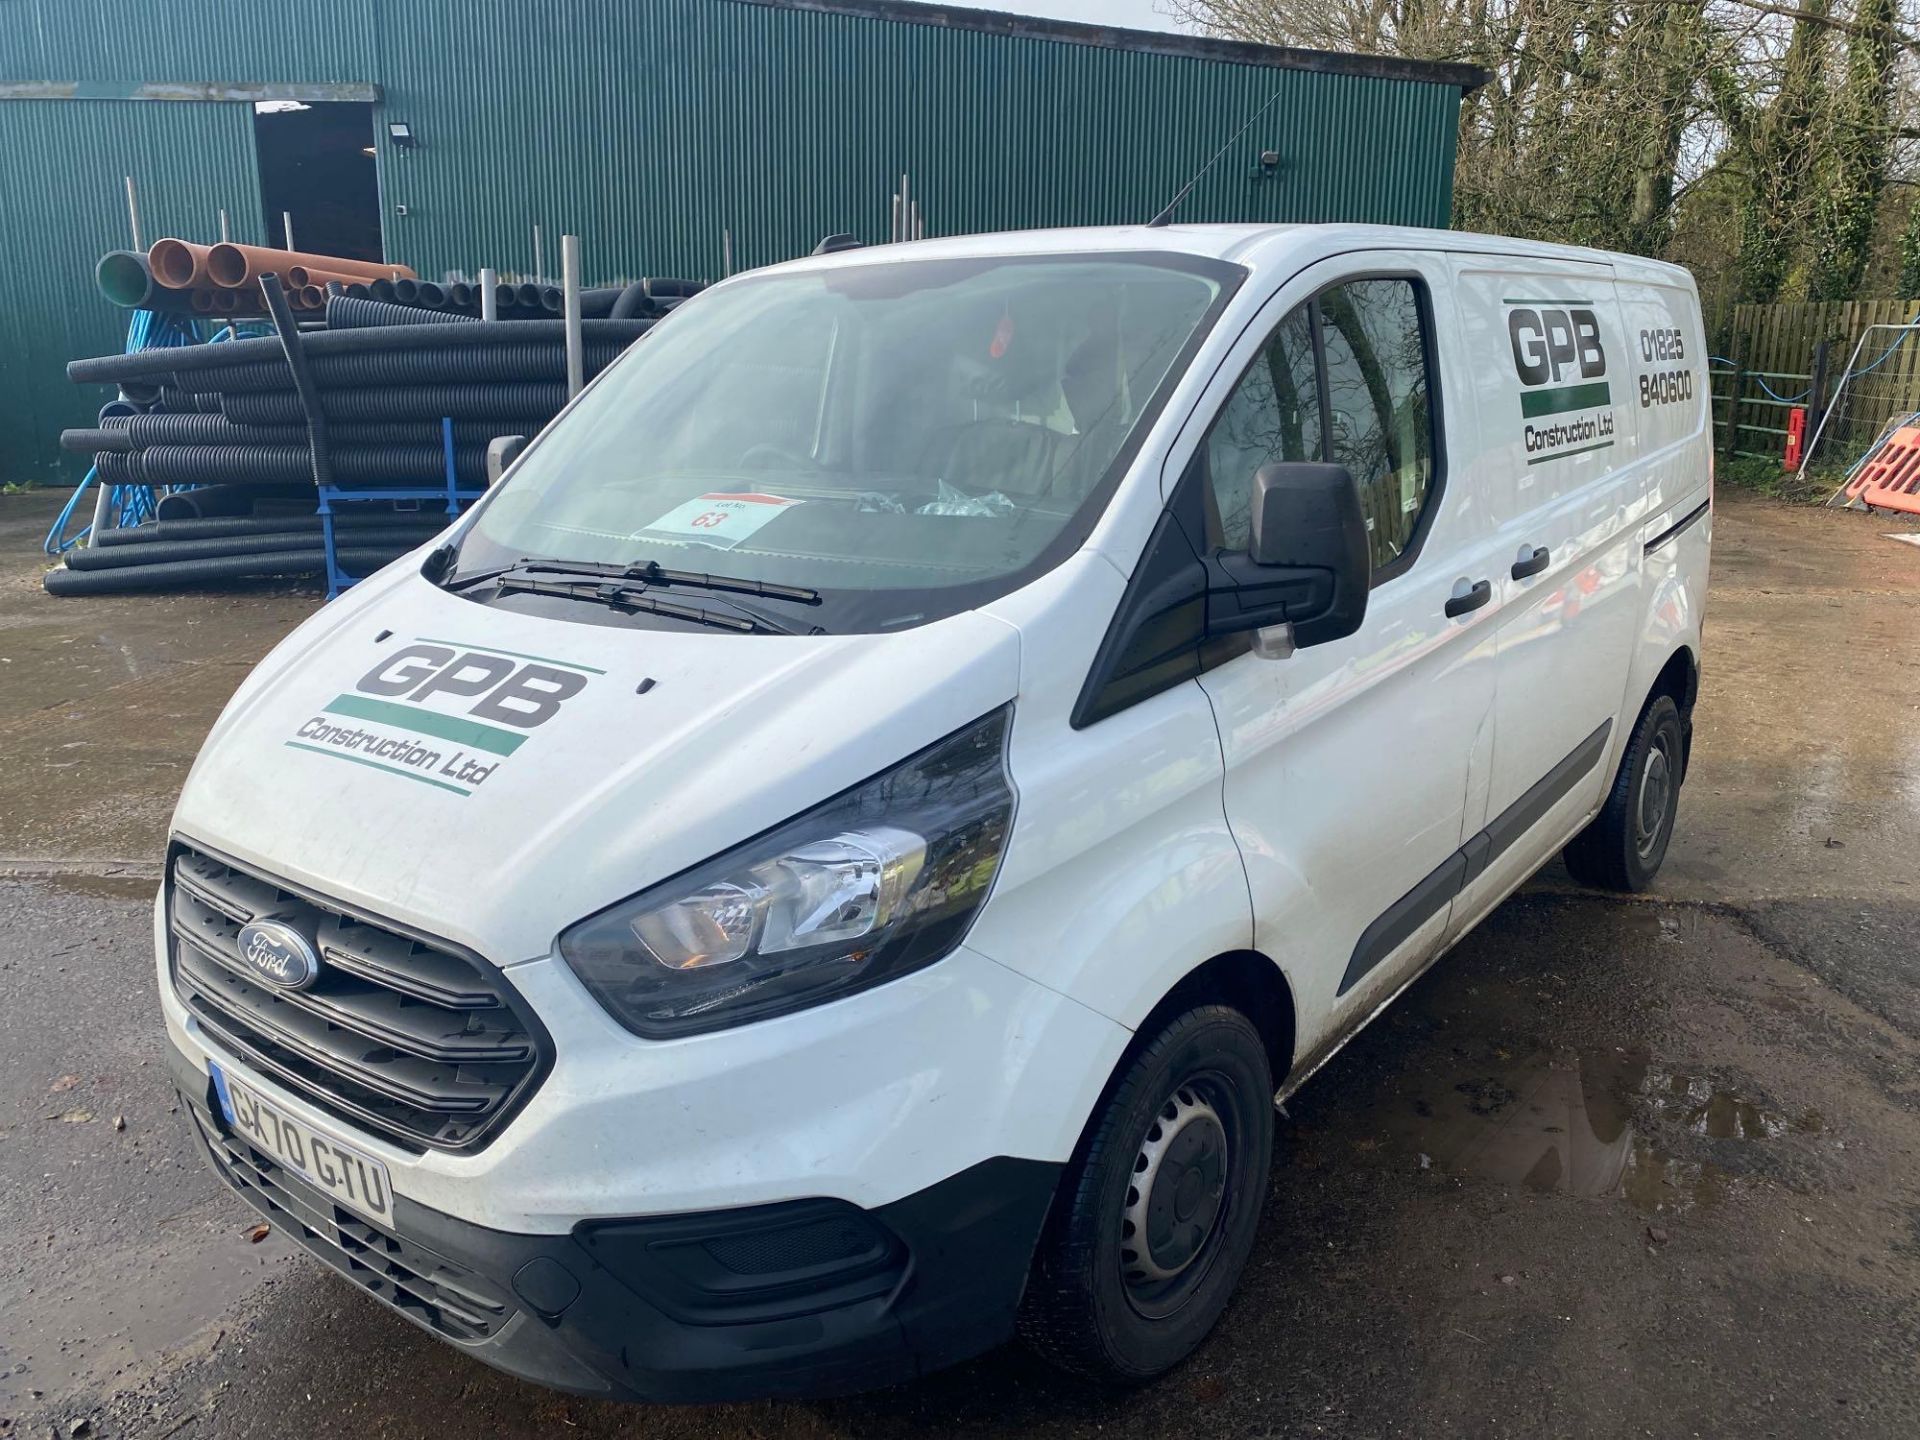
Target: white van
[(833, 861)]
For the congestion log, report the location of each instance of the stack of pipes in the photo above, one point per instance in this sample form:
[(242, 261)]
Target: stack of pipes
[(223, 282), (227, 418)]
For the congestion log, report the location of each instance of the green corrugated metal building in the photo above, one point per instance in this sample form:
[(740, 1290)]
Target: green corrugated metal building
[(660, 131)]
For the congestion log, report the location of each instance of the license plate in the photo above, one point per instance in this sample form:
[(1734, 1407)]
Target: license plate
[(350, 1176)]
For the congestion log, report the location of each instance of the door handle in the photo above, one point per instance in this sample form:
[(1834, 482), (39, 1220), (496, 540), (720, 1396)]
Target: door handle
[(1531, 564), (1458, 605)]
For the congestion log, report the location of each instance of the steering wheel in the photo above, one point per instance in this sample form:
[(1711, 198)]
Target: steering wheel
[(768, 456)]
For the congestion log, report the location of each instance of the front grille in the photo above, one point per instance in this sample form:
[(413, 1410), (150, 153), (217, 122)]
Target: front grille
[(445, 1297), (405, 1036)]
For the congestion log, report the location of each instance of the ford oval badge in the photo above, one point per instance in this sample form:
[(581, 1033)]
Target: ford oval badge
[(279, 954)]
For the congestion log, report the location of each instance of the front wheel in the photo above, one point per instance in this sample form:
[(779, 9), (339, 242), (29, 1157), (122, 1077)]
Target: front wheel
[(1157, 1212), (1623, 846)]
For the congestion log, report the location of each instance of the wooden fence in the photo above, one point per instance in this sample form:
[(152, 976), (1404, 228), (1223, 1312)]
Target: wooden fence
[(1776, 358)]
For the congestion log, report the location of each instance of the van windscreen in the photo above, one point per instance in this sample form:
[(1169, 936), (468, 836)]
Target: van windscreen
[(908, 438)]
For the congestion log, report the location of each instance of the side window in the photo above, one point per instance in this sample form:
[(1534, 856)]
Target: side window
[(1381, 423), (1273, 414), (1375, 416)]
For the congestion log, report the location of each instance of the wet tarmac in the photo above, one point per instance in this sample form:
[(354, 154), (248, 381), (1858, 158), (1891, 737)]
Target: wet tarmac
[(1614, 1168)]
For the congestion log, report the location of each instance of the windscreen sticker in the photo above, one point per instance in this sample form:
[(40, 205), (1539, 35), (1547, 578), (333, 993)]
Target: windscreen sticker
[(1566, 401), (443, 713), (719, 520)]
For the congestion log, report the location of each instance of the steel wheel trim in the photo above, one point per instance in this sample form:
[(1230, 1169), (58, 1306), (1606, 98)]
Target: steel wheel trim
[(1176, 1201), (1651, 807)]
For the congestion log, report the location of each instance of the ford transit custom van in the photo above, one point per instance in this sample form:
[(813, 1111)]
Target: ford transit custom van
[(835, 860)]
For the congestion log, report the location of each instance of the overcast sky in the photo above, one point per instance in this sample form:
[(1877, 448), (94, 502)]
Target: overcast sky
[(1139, 14)]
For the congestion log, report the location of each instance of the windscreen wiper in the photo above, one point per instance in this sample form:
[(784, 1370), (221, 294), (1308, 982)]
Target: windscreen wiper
[(651, 573), (616, 595)]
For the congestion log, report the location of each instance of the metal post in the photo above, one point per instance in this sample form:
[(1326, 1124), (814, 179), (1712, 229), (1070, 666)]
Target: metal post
[(102, 511), (286, 229), (919, 222), (726, 253), (1731, 437), (1816, 394), (489, 293), (570, 291), (894, 232), (1807, 455), (133, 215), (225, 235), (539, 263)]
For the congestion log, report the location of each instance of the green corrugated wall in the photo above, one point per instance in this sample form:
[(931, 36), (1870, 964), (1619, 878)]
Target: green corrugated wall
[(646, 128)]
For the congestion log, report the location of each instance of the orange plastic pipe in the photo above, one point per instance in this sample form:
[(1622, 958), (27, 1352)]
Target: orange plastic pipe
[(238, 265), (180, 264)]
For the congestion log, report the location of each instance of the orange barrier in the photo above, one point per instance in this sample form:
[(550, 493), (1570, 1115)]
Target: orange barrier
[(1796, 437), (1891, 479)]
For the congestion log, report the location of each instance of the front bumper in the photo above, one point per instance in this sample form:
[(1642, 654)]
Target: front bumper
[(802, 1298)]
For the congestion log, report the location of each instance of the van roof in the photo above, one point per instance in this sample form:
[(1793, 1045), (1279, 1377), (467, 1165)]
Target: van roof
[(1256, 246)]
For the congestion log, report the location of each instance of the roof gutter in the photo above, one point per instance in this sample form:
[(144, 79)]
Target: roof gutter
[(1465, 78)]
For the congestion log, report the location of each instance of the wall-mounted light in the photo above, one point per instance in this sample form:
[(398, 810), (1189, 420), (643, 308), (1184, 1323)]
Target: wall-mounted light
[(401, 133)]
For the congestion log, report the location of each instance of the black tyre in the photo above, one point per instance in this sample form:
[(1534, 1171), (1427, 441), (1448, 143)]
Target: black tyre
[(1623, 847), (1156, 1214)]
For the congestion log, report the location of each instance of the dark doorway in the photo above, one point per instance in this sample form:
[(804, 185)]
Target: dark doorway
[(317, 165)]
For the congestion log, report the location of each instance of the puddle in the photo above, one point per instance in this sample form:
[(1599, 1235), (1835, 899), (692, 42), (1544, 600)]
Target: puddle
[(106, 887), (1563, 1123)]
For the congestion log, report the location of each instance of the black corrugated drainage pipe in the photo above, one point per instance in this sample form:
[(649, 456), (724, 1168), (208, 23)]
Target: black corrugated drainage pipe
[(536, 360), (149, 430), (114, 369), (91, 442), (362, 519), (213, 501), (634, 303), (528, 400), (347, 313), (161, 552), (290, 465), (179, 574)]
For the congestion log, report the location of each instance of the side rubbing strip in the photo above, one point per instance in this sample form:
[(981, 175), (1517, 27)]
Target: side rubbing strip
[(1424, 901), (1691, 517), (1404, 916), (1526, 812)]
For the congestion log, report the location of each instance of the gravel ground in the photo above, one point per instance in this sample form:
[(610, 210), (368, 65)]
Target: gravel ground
[(1614, 1168)]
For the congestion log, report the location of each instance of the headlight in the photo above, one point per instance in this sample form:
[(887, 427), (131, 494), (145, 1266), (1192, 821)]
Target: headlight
[(879, 881)]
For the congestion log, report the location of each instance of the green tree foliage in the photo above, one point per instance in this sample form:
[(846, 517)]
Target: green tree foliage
[(1853, 162), (1776, 125)]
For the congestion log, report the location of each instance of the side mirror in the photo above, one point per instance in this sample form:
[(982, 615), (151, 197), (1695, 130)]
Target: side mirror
[(502, 451), (1308, 564)]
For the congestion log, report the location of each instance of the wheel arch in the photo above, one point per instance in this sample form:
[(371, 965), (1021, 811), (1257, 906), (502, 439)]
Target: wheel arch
[(1679, 679), (1249, 982)]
